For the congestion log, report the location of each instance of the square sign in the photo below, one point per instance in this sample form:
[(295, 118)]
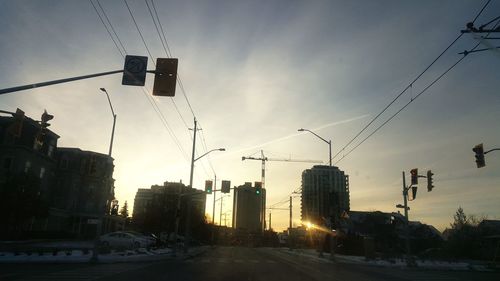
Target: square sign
[(165, 77), (226, 186), (134, 70)]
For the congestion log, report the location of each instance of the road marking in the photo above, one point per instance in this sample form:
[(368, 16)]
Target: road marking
[(205, 260), (238, 261), (222, 260), (254, 261), (270, 261)]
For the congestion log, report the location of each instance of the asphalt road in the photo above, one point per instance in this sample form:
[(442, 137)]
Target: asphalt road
[(232, 263)]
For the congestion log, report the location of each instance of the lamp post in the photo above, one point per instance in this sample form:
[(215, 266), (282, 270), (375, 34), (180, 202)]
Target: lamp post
[(114, 122), (329, 142), (97, 242), (193, 159)]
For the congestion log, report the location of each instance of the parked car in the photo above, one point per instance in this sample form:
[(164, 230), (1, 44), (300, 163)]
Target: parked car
[(122, 239), (148, 236)]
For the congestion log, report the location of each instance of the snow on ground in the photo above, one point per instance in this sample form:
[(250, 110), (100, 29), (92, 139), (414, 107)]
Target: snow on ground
[(442, 265)]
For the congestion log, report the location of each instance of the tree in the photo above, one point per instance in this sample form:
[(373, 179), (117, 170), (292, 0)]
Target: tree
[(124, 210), (460, 219)]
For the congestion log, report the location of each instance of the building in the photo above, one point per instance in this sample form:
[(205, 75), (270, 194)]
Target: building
[(155, 208), (325, 194), (46, 189), (84, 190), (249, 208)]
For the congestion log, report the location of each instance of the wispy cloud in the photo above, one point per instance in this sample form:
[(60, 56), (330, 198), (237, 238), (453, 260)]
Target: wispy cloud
[(298, 134)]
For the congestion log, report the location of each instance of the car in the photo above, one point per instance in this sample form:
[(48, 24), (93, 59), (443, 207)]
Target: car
[(121, 239)]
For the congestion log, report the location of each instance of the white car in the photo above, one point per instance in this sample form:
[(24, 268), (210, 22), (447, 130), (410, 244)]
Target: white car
[(121, 239)]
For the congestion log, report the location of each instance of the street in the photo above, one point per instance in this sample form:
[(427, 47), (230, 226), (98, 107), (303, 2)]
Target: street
[(231, 263)]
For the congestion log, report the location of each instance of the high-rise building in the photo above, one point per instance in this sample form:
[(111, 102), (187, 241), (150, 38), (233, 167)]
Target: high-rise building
[(249, 205), (325, 194), (154, 208)]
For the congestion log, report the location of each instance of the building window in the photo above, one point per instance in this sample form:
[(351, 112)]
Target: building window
[(7, 163), (27, 166), (50, 150), (64, 163), (42, 172)]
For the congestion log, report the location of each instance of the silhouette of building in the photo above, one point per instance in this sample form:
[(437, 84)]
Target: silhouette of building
[(154, 208), (325, 194), (51, 190), (84, 189), (249, 208)]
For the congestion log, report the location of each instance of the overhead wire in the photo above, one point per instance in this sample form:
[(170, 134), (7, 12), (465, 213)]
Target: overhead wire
[(411, 100), (152, 103), (409, 86)]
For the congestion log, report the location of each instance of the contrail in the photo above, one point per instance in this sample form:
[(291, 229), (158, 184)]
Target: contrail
[(297, 134)]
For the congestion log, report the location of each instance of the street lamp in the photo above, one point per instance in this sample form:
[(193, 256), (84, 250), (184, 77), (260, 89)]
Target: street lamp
[(114, 121), (329, 142), (97, 242), (196, 159)]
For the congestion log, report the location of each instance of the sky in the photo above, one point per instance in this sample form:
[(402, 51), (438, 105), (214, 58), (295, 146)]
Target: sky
[(256, 71)]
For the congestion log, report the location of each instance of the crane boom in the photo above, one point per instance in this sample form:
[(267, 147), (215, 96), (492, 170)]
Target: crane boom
[(264, 159)]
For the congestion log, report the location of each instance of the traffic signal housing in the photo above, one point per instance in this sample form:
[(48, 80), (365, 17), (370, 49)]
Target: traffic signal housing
[(258, 187), (208, 187), (478, 149), (165, 77), (226, 186), (429, 181), (414, 176)]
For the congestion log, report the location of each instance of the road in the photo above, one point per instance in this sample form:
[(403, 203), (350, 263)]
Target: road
[(232, 263)]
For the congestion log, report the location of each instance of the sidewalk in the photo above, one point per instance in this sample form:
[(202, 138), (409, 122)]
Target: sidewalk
[(400, 263), (82, 256)]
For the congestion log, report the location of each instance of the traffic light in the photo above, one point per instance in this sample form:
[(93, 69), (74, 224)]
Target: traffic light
[(429, 181), (208, 187), (414, 176), (258, 187), (17, 127), (414, 192), (165, 77), (46, 118), (478, 149), (226, 186)]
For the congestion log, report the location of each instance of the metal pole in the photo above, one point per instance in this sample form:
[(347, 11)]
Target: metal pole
[(270, 221), (53, 82), (405, 201), (290, 222), (213, 210), (220, 215), (405, 197), (330, 149), (112, 136), (192, 155), (188, 201)]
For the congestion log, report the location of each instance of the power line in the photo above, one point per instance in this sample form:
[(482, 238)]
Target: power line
[(152, 103), (410, 85), (106, 27), (138, 30), (112, 28), (402, 108)]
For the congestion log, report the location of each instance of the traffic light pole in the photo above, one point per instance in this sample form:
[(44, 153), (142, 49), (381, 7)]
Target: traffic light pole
[(213, 209), (405, 197)]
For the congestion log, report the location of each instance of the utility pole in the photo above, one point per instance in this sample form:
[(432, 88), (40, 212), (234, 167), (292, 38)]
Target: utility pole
[(214, 190), (270, 227), (188, 201), (405, 197), (220, 215), (290, 221)]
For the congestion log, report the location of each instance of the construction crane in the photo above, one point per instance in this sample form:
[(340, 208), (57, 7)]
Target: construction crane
[(264, 159)]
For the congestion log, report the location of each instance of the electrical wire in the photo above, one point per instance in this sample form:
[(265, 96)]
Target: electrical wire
[(150, 100), (410, 85)]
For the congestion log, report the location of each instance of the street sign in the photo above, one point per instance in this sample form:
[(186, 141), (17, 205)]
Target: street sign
[(134, 70), (165, 77), (226, 186), (92, 221)]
